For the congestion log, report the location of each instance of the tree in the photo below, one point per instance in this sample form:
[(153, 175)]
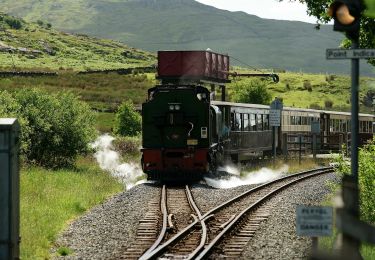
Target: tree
[(318, 8), (58, 127), (370, 6), (252, 91), (128, 121)]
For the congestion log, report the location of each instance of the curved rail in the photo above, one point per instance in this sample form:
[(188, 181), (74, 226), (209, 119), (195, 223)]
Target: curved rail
[(163, 204), (159, 250), (203, 224), (241, 215)]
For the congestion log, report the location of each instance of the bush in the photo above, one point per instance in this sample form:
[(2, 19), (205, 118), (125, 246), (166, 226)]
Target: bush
[(127, 145), (13, 23), (328, 103), (128, 121), (315, 106), (55, 128), (254, 92), (366, 174), (307, 85), (10, 108)]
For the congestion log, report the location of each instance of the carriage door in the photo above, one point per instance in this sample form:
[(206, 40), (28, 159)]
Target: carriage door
[(324, 121)]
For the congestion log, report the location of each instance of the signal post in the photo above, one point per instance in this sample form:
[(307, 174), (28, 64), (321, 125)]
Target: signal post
[(347, 18)]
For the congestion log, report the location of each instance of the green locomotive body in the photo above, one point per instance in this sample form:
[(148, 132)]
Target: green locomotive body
[(176, 132)]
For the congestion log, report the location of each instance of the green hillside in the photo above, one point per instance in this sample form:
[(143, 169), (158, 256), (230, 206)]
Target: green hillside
[(186, 24), (36, 46)]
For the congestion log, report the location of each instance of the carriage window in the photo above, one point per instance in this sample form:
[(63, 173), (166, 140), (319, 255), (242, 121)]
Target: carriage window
[(266, 122), (362, 126), (344, 126), (246, 122), (232, 121), (238, 122), (253, 125), (259, 123), (292, 120)]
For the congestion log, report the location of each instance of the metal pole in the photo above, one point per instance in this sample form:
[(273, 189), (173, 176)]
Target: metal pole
[(274, 144), (350, 192), (300, 149), (314, 146), (355, 111)]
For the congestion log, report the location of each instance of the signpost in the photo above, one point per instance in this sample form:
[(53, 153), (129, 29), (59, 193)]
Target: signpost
[(275, 121), (314, 222), (339, 54)]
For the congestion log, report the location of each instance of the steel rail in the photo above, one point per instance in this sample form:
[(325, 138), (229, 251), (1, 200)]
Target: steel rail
[(162, 248), (203, 225), (163, 205), (240, 216)]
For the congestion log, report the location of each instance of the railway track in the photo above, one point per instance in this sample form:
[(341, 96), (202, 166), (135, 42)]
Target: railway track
[(224, 231), (167, 216)]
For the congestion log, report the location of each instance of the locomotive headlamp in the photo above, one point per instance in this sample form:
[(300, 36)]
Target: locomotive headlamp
[(171, 107), (177, 107)]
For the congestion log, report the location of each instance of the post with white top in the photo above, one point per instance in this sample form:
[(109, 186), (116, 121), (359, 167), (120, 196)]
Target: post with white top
[(275, 121), (9, 189)]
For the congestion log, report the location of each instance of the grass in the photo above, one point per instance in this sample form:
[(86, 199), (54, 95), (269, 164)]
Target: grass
[(105, 122), (37, 47), (50, 199)]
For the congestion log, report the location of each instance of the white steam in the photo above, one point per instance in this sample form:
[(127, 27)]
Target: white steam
[(261, 176), (109, 160)]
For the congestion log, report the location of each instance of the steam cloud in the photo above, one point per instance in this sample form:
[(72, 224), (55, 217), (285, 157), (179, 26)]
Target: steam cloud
[(261, 176), (109, 160)]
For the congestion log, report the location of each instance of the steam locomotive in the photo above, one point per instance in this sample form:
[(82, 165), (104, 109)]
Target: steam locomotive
[(186, 133)]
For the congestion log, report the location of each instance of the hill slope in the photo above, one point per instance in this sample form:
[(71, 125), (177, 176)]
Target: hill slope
[(186, 24), (30, 45)]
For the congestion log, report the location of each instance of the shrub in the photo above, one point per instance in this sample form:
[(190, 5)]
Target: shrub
[(127, 145), (13, 22), (328, 103), (254, 92), (10, 108), (59, 127), (128, 121), (330, 78), (307, 85), (315, 106), (366, 173)]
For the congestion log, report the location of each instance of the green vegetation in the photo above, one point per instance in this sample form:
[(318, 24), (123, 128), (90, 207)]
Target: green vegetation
[(36, 46), (253, 92), (366, 174), (128, 121), (103, 92), (317, 91), (56, 128), (129, 147), (367, 191), (187, 24), (50, 199)]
